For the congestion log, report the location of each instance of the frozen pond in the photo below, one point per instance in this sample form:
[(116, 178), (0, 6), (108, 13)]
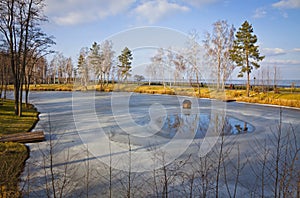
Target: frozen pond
[(93, 131)]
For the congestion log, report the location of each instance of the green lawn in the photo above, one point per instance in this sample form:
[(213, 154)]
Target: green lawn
[(10, 123), (13, 155)]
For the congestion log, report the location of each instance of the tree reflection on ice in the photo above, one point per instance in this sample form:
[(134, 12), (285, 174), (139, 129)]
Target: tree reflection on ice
[(196, 125)]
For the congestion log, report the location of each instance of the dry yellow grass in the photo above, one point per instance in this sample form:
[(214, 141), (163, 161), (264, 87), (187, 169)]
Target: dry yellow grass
[(285, 97), (154, 90)]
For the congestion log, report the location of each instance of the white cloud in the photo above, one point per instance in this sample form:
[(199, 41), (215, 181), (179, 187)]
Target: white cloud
[(282, 62), (70, 12), (260, 13), (199, 3), (288, 4), (285, 15), (296, 50), (154, 10), (273, 51), (73, 18)]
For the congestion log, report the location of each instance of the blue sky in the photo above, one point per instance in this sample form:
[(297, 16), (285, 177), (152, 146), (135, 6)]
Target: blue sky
[(77, 23)]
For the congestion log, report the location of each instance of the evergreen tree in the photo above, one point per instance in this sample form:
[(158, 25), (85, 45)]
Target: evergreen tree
[(125, 63), (83, 70), (245, 53), (95, 59)]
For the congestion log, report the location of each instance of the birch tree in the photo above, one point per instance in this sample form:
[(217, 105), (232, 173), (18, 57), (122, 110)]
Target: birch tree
[(69, 70), (193, 56), (108, 55), (159, 61), (180, 66), (151, 70), (217, 46), (59, 64)]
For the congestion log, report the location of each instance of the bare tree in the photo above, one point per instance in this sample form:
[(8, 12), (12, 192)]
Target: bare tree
[(276, 77), (170, 63), (151, 70), (220, 152), (52, 72), (108, 55), (59, 173), (18, 21), (139, 78), (130, 181), (193, 56), (285, 157), (276, 165), (36, 63), (217, 45), (205, 171), (59, 66), (69, 70), (159, 61), (180, 66), (4, 73), (88, 173)]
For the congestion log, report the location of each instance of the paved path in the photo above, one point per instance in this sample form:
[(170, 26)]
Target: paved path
[(86, 132)]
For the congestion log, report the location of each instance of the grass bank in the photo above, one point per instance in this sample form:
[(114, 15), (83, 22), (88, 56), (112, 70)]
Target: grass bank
[(13, 155), (283, 96)]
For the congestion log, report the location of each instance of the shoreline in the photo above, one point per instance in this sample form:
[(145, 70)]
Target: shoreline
[(285, 98)]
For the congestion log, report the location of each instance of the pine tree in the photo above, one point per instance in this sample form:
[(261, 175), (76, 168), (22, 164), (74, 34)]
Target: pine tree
[(96, 61), (125, 60), (245, 53), (83, 70)]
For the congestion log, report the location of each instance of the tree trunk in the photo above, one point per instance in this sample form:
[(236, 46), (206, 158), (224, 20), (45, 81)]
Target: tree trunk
[(27, 84), (248, 84), (2, 84), (198, 84), (26, 97), (16, 93), (5, 89), (223, 83), (21, 99), (1, 90), (219, 72), (248, 73)]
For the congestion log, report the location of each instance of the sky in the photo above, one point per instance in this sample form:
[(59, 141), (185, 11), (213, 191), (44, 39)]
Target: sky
[(76, 24)]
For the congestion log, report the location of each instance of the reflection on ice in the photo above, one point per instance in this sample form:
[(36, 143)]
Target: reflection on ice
[(196, 125)]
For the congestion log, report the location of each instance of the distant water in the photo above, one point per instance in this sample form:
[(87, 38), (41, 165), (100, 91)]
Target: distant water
[(280, 83)]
